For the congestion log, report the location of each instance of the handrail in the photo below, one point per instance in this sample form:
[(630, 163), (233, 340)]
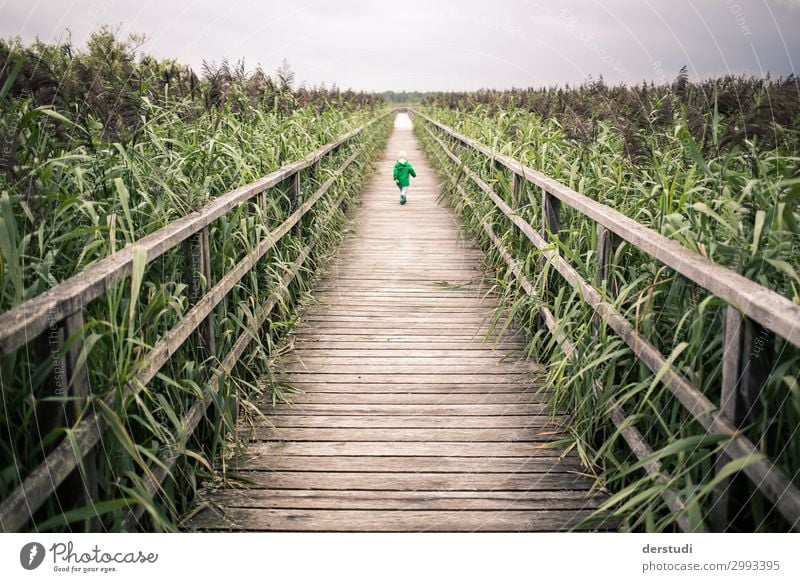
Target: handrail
[(767, 477), (21, 324), (25, 322), (195, 414), (770, 309), (633, 437)]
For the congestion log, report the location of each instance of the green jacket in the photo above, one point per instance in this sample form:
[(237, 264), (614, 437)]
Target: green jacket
[(401, 172)]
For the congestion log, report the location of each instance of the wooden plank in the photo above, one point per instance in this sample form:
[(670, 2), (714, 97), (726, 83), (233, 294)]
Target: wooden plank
[(410, 409), (466, 378), (406, 449), (417, 279), (482, 369), (406, 500), (452, 262), (406, 464), (349, 297), (396, 340), (434, 317), (400, 269), (331, 354), (361, 310), (413, 481), (430, 291), (247, 519), (523, 397), (400, 388), (305, 343), (410, 421), (544, 430), (479, 330)]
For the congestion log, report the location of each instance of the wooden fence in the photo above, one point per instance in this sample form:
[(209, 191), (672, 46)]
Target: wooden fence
[(745, 299), (62, 308)]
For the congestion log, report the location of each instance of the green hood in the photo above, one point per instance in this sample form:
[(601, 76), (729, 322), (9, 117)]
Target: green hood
[(402, 170)]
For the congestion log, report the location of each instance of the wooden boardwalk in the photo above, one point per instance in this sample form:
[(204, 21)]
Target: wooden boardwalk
[(408, 419)]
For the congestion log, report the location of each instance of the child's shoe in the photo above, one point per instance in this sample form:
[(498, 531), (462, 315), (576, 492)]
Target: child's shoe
[(402, 199)]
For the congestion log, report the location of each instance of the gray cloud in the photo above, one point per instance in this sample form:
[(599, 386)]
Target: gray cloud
[(448, 45)]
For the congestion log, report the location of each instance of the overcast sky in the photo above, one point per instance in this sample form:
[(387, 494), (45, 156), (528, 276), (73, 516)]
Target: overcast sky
[(443, 45)]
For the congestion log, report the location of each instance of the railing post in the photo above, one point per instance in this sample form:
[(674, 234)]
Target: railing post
[(207, 331), (264, 205), (516, 191), (551, 209), (192, 268), (198, 252), (606, 244), (742, 376), (80, 392), (316, 170), (295, 198), (48, 412), (64, 394)]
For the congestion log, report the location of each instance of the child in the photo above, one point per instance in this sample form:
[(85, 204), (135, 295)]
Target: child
[(401, 171)]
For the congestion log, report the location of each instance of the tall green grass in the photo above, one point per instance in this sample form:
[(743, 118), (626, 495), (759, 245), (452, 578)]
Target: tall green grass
[(698, 177), (102, 147)]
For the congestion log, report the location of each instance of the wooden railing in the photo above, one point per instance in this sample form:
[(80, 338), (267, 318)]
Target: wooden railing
[(62, 308), (744, 298)]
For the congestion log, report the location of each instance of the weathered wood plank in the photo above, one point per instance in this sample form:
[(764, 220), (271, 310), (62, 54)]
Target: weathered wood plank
[(414, 481), (413, 339), (413, 348), (528, 378), (335, 353), (392, 310), (246, 519), (404, 449), (411, 409), (410, 421), (542, 431), (483, 368), (406, 500), (526, 397), (401, 320), (406, 464), (402, 388)]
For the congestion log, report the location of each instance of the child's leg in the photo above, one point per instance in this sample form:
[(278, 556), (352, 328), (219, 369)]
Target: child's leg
[(403, 194)]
